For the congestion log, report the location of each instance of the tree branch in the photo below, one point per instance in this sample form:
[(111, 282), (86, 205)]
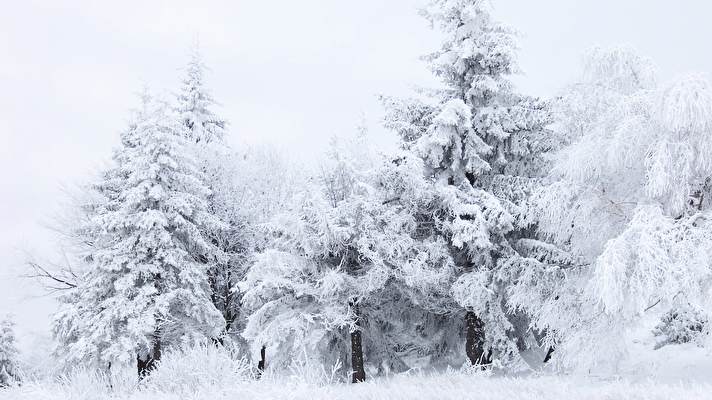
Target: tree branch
[(52, 281)]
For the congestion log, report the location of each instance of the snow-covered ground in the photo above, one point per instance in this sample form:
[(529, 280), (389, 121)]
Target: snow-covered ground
[(673, 372), (445, 386)]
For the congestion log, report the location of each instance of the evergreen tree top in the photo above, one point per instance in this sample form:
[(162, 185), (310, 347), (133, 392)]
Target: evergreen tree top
[(477, 50), (195, 102)]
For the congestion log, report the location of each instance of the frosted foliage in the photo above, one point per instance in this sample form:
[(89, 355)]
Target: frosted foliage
[(444, 142), (248, 188), (609, 76), (9, 360), (655, 258), (504, 227), (293, 317), (619, 69), (479, 292), (645, 159), (264, 181), (475, 43), (485, 147), (302, 289), (630, 196), (682, 324), (145, 284), (685, 106), (349, 239), (410, 118), (194, 103), (495, 128), (679, 163)]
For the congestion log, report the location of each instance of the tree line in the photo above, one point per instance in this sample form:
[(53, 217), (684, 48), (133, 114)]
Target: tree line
[(504, 224)]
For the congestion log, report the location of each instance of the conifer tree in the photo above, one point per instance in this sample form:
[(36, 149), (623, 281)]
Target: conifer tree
[(483, 146), (194, 104), (147, 288), (206, 131)]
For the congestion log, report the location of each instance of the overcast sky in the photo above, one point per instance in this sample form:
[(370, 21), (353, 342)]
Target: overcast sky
[(290, 73)]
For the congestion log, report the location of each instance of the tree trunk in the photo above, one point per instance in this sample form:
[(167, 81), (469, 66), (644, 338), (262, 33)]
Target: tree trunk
[(261, 363), (548, 354), (358, 373), (221, 295), (475, 340), (147, 363)]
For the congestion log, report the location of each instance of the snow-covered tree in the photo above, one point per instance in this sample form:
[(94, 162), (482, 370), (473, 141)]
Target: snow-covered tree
[(629, 196), (326, 287), (9, 362), (195, 103), (205, 131), (304, 290), (147, 288), (250, 187), (484, 145)]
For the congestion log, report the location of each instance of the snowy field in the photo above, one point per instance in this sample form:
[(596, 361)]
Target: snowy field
[(447, 386), (679, 373)]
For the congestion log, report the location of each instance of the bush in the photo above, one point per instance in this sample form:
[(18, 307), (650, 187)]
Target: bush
[(681, 325), (199, 367), (9, 366)]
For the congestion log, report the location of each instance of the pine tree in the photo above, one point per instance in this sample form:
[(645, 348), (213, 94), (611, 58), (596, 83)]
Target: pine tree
[(147, 288), (9, 366), (483, 145)]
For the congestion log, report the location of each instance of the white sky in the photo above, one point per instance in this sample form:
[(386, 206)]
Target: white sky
[(291, 73)]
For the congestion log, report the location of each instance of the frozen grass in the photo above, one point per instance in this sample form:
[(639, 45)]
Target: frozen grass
[(211, 374), (445, 386)]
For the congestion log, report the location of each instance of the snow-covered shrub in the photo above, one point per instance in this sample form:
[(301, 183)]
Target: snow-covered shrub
[(304, 371), (681, 325), (81, 383), (205, 366), (86, 383)]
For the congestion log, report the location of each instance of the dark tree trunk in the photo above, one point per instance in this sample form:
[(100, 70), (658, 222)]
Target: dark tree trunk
[(261, 363), (358, 373), (222, 297), (475, 340), (548, 354), (229, 314), (148, 363)]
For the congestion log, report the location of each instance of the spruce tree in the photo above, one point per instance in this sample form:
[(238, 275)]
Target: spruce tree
[(482, 143), (206, 131), (194, 104), (147, 288)]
